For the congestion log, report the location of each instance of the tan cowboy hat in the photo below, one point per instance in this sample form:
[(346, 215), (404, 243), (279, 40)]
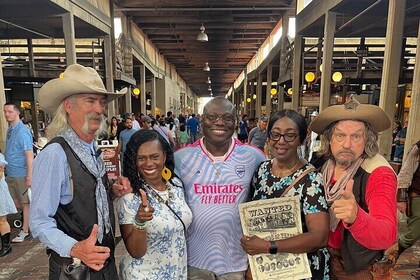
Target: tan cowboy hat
[(314, 114), (40, 144), (351, 110), (76, 79)]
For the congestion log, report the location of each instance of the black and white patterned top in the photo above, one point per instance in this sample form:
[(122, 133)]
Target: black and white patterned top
[(265, 185)]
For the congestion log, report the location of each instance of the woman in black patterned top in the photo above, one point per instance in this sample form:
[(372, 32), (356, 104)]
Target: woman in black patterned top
[(286, 132)]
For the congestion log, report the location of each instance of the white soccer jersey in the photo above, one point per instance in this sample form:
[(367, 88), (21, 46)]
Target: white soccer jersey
[(214, 188)]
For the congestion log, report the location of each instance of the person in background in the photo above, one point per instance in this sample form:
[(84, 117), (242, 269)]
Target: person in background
[(135, 123), (181, 119), (182, 136), (147, 122), (71, 209), (399, 142), (286, 132), (112, 129), (251, 124), (6, 207), (121, 125), (19, 155), (360, 187), (243, 126), (28, 125), (313, 144), (160, 127), (258, 135), (154, 217), (193, 126), (217, 159), (409, 203), (170, 115), (173, 129), (125, 136), (396, 127)]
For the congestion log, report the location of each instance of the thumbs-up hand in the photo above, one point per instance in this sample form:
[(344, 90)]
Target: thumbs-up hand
[(91, 255), (346, 207), (145, 211)]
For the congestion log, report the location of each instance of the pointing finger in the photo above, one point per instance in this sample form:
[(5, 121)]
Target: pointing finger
[(144, 200)]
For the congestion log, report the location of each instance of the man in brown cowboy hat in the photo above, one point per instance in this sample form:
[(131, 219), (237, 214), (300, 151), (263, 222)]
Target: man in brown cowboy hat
[(71, 211), (360, 188)]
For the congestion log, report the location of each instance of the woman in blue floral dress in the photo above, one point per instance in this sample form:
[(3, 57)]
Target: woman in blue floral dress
[(153, 220), (7, 207), (286, 132)]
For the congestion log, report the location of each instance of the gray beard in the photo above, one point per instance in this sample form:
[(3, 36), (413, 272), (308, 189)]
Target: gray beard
[(344, 162)]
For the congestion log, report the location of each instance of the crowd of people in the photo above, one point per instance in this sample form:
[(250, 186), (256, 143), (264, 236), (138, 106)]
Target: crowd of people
[(184, 177), (177, 131)]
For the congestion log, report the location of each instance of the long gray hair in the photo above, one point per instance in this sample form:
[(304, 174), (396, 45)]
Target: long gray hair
[(60, 121), (371, 137)]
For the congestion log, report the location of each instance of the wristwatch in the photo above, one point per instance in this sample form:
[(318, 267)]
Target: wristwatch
[(402, 195), (273, 247)]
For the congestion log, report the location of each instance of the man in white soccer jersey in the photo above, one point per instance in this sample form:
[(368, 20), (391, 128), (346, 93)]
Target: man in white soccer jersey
[(216, 171)]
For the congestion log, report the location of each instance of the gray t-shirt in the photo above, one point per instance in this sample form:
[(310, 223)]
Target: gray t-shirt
[(257, 138)]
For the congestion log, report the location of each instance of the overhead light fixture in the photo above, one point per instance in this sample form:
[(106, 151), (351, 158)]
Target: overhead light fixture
[(208, 80), (310, 77), (202, 37), (273, 91), (206, 68), (136, 91), (337, 76), (209, 89)]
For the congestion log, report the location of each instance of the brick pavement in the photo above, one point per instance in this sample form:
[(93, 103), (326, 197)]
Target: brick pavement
[(28, 261)]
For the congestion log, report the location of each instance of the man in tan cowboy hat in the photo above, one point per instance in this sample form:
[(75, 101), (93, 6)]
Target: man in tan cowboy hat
[(71, 211), (360, 188)]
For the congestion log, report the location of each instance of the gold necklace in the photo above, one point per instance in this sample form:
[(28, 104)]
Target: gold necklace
[(286, 171)]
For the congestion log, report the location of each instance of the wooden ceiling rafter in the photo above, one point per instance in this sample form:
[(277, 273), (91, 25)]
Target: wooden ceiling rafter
[(236, 30)]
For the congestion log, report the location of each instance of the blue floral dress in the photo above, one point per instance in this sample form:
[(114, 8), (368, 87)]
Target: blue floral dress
[(7, 206), (265, 185), (166, 255)]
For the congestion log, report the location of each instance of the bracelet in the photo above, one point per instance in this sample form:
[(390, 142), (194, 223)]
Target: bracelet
[(139, 225), (273, 247)]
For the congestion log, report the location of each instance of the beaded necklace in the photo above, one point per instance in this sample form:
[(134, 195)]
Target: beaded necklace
[(156, 195)]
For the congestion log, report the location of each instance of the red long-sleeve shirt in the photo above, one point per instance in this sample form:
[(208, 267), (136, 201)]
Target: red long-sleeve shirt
[(376, 230)]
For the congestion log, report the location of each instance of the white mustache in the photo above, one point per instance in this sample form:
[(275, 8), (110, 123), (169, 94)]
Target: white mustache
[(94, 116)]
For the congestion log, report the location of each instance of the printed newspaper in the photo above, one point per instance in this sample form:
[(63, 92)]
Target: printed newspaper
[(275, 219)]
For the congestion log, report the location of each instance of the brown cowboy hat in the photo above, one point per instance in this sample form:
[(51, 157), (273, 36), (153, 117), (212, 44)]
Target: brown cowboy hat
[(76, 79), (351, 110)]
